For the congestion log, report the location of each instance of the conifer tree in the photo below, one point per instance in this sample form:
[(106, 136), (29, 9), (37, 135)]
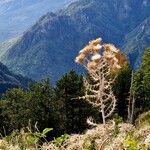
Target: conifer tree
[(18, 107), (141, 85), (73, 113), (121, 89)]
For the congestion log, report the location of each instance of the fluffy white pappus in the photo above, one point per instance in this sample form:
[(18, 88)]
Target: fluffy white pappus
[(95, 42), (81, 51), (99, 39), (96, 57), (98, 46)]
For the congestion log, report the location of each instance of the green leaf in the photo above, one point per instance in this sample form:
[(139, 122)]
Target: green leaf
[(30, 140), (37, 134), (46, 130)]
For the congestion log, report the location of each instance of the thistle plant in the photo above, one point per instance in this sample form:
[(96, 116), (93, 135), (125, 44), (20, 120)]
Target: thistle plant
[(101, 61)]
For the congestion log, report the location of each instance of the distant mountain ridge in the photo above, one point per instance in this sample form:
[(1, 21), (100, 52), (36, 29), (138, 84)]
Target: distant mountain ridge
[(50, 46), (5, 46), (10, 80), (18, 15)]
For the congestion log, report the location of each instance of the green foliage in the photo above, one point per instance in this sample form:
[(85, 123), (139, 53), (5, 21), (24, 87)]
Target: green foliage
[(25, 138), (15, 109), (142, 85), (60, 140), (48, 107), (130, 143), (74, 111), (121, 89), (117, 119), (45, 131), (88, 144), (19, 106), (146, 61)]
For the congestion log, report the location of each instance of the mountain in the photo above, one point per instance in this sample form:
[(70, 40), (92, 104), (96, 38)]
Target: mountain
[(5, 46), (136, 42), (17, 15), (49, 47), (10, 80)]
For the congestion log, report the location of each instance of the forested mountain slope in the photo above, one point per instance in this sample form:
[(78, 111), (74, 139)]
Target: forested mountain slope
[(49, 47), (10, 80)]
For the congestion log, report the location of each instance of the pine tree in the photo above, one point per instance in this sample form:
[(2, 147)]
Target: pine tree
[(142, 85), (19, 107), (121, 88), (73, 113)]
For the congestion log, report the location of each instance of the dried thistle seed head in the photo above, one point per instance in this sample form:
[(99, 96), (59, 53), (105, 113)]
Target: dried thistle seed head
[(99, 46), (110, 47), (122, 60), (86, 50), (115, 68), (118, 66), (96, 57), (108, 55), (111, 63), (92, 65), (80, 59), (111, 58), (106, 47), (96, 42), (81, 51), (96, 48), (100, 64), (115, 59), (114, 49)]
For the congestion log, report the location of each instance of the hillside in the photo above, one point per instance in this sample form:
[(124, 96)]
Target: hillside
[(110, 136), (6, 45), (10, 80), (18, 15), (136, 42), (50, 46)]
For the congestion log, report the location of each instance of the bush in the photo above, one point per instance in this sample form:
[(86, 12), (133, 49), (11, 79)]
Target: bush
[(25, 138)]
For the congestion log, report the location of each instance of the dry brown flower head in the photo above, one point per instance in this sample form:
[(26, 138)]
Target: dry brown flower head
[(96, 50)]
